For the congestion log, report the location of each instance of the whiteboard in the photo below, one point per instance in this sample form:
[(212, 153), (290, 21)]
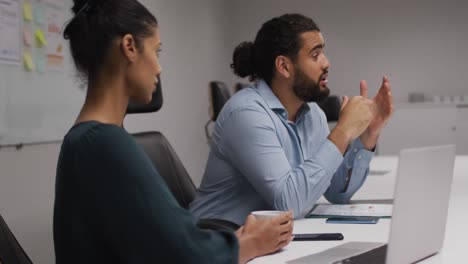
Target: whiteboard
[(38, 106)]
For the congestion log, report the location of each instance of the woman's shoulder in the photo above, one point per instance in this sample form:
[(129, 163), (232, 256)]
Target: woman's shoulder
[(95, 135)]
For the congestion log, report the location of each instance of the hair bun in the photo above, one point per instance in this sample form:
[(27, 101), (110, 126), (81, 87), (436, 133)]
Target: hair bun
[(86, 6), (78, 5), (242, 59)]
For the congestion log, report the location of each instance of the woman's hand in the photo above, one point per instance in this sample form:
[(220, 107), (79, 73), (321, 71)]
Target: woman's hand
[(261, 237)]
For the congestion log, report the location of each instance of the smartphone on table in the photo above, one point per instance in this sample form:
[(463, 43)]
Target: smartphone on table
[(353, 220), (318, 237)]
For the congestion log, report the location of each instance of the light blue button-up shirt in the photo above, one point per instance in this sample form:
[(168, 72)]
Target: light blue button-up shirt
[(261, 161)]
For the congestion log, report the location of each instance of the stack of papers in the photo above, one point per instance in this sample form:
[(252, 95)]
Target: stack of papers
[(330, 210)]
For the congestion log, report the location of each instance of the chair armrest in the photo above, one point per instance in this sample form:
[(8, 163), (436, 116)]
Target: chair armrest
[(217, 224)]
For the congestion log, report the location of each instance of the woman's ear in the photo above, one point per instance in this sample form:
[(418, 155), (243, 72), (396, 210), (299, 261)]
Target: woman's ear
[(283, 66), (128, 47)]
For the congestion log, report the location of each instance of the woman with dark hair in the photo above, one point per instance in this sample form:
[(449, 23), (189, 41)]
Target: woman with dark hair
[(111, 205)]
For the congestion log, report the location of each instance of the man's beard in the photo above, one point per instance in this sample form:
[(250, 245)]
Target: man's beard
[(307, 89)]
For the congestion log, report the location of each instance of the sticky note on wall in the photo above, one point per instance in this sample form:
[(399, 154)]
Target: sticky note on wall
[(40, 37), (39, 14), (27, 11), (28, 61), (40, 62), (27, 36)]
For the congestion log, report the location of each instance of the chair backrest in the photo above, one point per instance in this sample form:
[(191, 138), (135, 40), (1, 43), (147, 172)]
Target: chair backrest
[(11, 251), (161, 153), (219, 95), (331, 106), (153, 106), (239, 86), (168, 165)]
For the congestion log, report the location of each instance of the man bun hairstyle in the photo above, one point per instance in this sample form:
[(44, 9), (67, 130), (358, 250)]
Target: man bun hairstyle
[(242, 59), (278, 36)]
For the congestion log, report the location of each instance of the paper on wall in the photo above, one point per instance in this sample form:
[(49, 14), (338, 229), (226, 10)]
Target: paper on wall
[(55, 42), (10, 32)]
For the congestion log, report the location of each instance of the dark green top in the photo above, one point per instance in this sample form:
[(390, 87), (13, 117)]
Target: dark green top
[(112, 206)]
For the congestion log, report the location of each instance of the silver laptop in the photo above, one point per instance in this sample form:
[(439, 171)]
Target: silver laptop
[(421, 200)]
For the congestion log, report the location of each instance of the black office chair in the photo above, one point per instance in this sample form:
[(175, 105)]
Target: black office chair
[(331, 106), (11, 251), (239, 86), (219, 94), (168, 164)]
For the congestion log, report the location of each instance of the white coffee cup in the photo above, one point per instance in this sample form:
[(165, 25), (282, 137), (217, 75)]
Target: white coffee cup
[(266, 214)]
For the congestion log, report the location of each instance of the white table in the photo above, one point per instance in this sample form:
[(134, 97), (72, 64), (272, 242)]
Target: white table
[(455, 249)]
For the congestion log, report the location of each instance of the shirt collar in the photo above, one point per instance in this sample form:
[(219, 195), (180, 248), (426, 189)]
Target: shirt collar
[(304, 110), (267, 94), (275, 104)]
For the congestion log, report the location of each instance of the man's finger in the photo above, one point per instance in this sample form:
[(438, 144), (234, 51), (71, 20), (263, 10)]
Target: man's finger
[(363, 87), (385, 83), (384, 88), (374, 107), (385, 79), (345, 102)]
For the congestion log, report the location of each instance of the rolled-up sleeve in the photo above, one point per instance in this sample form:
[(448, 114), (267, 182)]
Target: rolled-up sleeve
[(356, 160)]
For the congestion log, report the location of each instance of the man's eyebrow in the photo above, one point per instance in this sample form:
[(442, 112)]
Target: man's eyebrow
[(318, 46)]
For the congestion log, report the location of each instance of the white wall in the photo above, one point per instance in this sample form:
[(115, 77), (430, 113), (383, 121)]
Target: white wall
[(27, 180), (414, 126), (420, 44), (193, 50)]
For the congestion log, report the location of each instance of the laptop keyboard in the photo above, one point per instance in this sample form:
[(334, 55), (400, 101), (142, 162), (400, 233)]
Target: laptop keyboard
[(374, 256)]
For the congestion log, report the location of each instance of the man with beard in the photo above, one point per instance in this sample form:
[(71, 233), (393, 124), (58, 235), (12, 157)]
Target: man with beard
[(271, 147)]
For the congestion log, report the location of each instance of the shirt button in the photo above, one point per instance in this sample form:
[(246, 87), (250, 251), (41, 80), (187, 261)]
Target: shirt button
[(355, 150), (359, 157)]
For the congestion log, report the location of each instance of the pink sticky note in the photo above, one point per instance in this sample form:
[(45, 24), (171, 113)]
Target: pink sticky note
[(27, 36)]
